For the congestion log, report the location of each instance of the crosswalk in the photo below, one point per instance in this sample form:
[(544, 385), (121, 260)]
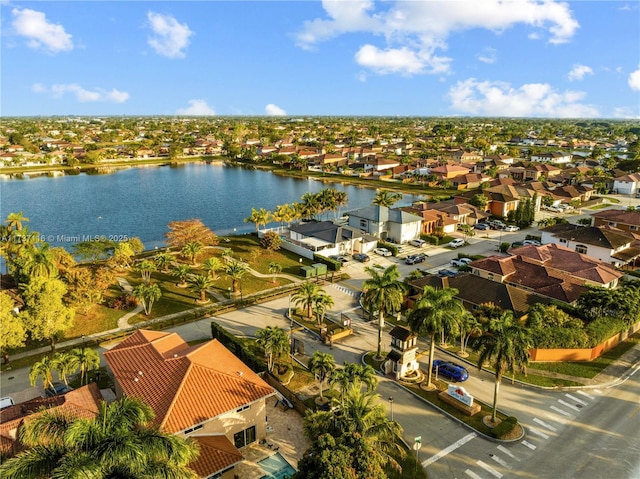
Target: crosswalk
[(506, 456), (346, 290)]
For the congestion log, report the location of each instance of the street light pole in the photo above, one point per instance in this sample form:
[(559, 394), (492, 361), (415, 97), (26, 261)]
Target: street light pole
[(391, 404)]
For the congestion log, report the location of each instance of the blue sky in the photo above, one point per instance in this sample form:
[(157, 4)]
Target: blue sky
[(520, 58)]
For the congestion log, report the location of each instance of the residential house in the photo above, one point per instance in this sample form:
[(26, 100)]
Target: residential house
[(201, 391), (604, 243), (549, 270), (83, 402), (448, 172), (466, 156), (627, 184), (533, 171), (434, 222), (386, 223), (469, 181), (328, 238), (556, 157), (504, 198), (626, 220)]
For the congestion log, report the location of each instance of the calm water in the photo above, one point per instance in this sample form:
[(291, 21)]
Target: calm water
[(142, 201)]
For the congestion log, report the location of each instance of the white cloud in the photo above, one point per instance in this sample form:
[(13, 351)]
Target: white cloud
[(170, 37), (196, 108), (82, 95), (530, 100), (625, 112), (40, 32), (487, 55), (414, 31), (634, 80), (579, 71), (274, 110)]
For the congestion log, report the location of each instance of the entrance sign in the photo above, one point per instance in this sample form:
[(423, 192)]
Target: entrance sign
[(459, 393)]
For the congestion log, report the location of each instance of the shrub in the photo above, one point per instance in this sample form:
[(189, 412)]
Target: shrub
[(603, 328), (332, 264), (505, 427), (390, 246), (123, 302)]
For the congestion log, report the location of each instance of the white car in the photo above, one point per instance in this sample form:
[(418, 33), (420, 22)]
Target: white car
[(511, 228), (382, 251), (456, 243), (458, 262), (418, 242)]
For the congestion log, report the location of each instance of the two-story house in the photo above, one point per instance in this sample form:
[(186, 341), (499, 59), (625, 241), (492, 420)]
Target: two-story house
[(386, 223), (627, 184), (202, 391), (625, 220)]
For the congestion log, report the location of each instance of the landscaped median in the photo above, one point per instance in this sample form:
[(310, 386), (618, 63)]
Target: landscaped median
[(507, 430)]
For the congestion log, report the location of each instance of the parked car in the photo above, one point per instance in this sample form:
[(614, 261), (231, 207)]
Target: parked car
[(497, 225), (382, 251), (447, 272), (6, 401), (481, 226), (418, 243), (555, 209), (456, 243), (450, 370), (511, 228), (57, 389), (531, 242), (415, 258), (336, 257), (363, 258), (458, 262), (517, 244)]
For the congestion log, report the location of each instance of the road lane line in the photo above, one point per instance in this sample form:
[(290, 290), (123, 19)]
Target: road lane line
[(449, 449), (538, 432), (586, 395), (507, 452), (500, 461), (579, 401), (472, 474), (561, 411), (489, 469), (597, 391), (570, 406), (545, 424), (529, 445)]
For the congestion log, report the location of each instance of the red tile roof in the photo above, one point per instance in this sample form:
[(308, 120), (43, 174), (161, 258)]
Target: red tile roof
[(216, 454), (184, 385)]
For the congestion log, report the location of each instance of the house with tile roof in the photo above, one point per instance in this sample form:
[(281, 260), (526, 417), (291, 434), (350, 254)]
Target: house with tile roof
[(201, 391), (83, 402), (605, 243), (386, 223), (625, 220), (550, 270), (554, 157), (627, 184)]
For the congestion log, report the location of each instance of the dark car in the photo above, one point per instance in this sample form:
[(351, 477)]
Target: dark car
[(336, 257), (447, 272), (450, 370), (415, 258), (363, 258), (481, 226), (57, 389)]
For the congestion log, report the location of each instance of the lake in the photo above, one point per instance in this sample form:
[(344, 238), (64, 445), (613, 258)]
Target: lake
[(142, 201)]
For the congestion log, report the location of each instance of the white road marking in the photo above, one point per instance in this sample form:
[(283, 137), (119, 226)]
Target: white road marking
[(500, 461), (597, 391), (538, 433), (501, 448), (561, 411), (570, 406), (449, 449), (472, 474), (579, 401), (544, 424), (586, 395), (529, 445), (489, 469)]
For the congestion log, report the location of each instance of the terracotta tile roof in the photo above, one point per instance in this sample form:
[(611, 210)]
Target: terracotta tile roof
[(619, 216), (81, 403), (184, 385), (216, 454)]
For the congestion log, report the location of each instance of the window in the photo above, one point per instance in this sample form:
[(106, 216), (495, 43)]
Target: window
[(580, 248), (363, 223), (194, 428), (243, 408), (613, 224), (244, 438), (633, 228)]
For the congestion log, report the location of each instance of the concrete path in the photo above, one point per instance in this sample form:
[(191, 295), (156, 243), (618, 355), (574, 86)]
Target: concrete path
[(123, 322)]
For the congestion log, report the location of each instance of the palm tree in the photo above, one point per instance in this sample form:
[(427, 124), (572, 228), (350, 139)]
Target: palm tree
[(274, 342), (434, 310), (383, 294), (386, 198), (64, 364), (163, 261), (181, 271), (322, 366), (305, 296), (14, 220), (147, 294), (258, 218), (505, 346), (191, 251), (145, 268), (200, 283), (212, 266), (310, 205), (284, 214), (40, 262), (235, 270), (42, 370), (354, 375), (340, 199), (274, 269), (85, 359), (469, 326), (117, 443), (321, 302)]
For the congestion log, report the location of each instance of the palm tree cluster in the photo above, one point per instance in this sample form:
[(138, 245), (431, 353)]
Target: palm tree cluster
[(314, 299), (275, 344), (65, 364), (118, 443)]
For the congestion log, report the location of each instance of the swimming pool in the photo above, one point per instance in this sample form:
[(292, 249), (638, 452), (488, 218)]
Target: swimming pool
[(276, 467)]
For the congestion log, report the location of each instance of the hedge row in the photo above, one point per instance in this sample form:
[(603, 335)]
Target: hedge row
[(234, 345), (590, 336)]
